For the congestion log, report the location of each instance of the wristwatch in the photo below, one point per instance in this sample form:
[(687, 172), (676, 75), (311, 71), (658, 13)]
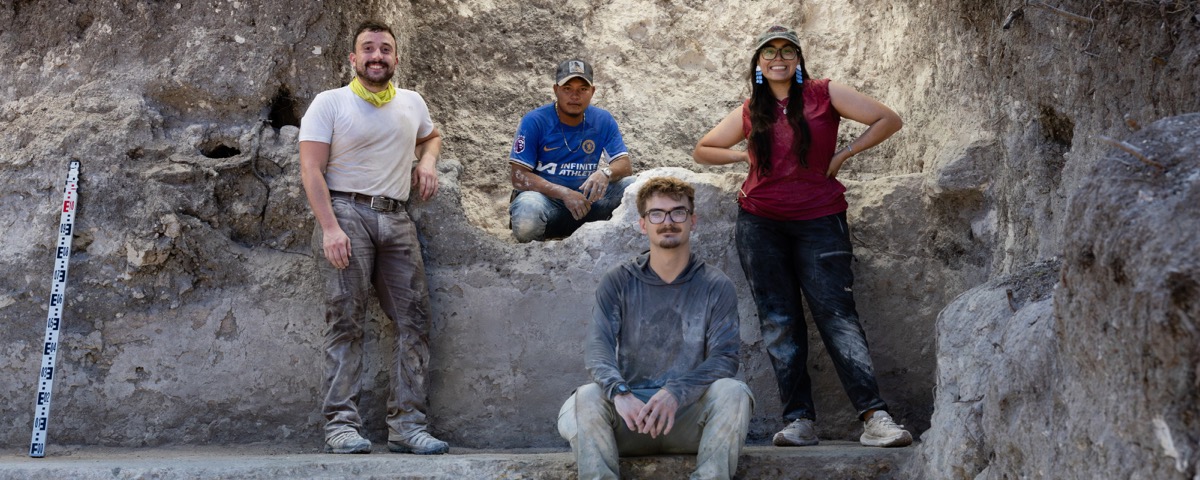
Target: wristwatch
[(606, 171), (622, 389)]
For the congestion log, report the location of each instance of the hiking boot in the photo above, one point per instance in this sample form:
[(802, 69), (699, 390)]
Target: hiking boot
[(420, 443), (799, 433), (881, 431), (348, 441)]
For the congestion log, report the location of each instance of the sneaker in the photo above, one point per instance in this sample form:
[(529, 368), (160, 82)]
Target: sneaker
[(348, 441), (420, 443), (881, 431), (799, 433)]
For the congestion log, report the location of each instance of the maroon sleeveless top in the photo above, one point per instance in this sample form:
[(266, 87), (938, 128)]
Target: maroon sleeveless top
[(792, 192)]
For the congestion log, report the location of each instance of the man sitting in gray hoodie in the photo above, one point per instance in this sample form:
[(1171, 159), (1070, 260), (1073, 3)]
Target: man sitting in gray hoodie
[(662, 350)]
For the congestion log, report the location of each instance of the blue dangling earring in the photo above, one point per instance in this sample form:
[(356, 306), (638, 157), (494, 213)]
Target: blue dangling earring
[(758, 75), (799, 76)]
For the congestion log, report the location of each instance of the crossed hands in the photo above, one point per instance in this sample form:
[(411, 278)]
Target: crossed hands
[(653, 418), (576, 203), (594, 187), (580, 202)]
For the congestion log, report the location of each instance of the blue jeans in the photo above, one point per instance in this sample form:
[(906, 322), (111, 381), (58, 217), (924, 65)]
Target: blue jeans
[(537, 217), (785, 262)]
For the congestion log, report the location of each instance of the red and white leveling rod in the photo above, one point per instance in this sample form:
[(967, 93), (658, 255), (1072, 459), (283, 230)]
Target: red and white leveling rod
[(62, 253)]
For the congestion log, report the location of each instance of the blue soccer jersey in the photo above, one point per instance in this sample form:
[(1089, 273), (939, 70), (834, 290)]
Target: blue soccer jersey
[(562, 154)]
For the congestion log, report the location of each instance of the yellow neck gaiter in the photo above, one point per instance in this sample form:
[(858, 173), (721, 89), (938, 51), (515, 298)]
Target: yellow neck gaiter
[(376, 99)]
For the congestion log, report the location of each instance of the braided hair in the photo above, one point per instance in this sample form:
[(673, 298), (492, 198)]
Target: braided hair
[(762, 117)]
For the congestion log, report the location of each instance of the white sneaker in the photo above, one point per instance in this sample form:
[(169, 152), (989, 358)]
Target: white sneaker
[(881, 431), (799, 433), (347, 441)]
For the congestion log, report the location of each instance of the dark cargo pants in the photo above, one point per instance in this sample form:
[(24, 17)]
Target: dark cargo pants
[(785, 262)]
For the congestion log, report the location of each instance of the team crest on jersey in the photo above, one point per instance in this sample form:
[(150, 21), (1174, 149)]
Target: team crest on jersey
[(519, 144), (589, 146)]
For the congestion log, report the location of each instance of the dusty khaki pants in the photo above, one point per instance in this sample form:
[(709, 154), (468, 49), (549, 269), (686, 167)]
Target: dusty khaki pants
[(713, 428), (384, 254)]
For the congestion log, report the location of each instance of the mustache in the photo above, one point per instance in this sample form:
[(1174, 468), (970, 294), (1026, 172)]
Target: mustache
[(670, 228)]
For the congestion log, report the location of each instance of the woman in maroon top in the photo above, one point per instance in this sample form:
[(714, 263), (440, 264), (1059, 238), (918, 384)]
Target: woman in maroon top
[(792, 236)]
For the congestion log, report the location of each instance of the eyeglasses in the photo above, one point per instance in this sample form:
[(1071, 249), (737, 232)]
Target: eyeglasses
[(789, 53), (678, 215)]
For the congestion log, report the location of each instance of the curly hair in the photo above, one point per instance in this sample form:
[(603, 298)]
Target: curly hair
[(670, 187)]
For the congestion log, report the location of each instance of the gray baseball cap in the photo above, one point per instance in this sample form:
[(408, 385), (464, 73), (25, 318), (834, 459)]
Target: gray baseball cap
[(777, 31), (573, 68)]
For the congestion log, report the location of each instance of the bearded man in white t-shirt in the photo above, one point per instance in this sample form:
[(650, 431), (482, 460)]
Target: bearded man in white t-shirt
[(364, 150)]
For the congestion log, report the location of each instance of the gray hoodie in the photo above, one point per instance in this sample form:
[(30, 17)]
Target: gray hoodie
[(681, 336)]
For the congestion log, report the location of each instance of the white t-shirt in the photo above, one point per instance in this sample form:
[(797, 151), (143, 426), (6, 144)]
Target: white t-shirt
[(371, 149)]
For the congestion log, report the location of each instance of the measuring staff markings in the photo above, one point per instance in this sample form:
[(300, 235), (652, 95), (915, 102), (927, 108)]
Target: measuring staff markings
[(62, 254)]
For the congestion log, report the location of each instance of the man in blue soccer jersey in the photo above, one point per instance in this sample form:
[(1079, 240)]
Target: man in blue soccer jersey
[(569, 163)]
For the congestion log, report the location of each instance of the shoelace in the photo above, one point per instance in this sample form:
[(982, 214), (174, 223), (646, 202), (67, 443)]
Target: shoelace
[(886, 422), (343, 437), (422, 439)]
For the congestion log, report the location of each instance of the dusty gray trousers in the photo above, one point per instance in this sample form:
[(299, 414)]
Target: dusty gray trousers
[(714, 428), (384, 253)]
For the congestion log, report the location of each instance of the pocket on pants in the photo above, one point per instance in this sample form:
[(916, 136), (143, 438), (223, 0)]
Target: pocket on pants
[(336, 285), (829, 256), (835, 272)]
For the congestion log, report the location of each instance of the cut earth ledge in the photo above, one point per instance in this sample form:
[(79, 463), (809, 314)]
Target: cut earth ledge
[(840, 460)]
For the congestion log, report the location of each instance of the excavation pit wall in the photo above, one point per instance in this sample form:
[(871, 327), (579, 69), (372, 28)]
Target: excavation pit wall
[(193, 313)]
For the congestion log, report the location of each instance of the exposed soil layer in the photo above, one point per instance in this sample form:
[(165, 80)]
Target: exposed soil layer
[(193, 314)]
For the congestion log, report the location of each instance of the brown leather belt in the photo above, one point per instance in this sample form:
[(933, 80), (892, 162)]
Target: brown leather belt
[(377, 203)]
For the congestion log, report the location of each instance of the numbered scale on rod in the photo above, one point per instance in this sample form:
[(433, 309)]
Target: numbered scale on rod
[(58, 288)]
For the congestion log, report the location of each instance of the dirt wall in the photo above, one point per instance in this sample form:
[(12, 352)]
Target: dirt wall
[(191, 306), (1085, 368)]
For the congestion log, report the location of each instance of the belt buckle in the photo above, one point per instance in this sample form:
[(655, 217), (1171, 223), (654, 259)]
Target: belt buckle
[(388, 204)]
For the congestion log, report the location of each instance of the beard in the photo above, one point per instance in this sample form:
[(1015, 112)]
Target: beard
[(670, 242), (378, 80)]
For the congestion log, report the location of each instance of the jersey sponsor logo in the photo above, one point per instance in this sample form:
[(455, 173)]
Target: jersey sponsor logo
[(589, 146), (548, 168), (576, 169), (519, 144), (548, 149)]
